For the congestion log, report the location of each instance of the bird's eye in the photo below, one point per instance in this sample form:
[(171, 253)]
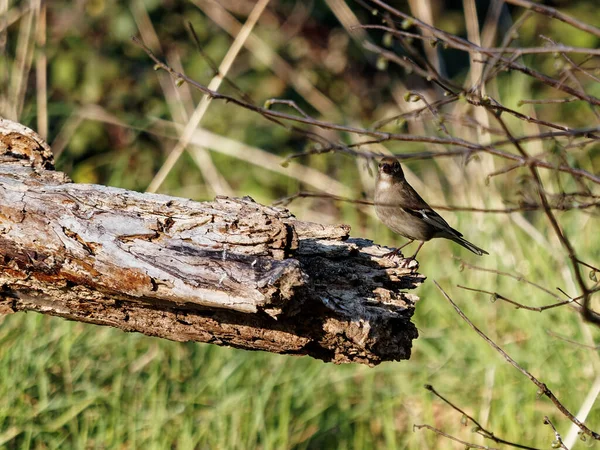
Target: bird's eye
[(396, 166)]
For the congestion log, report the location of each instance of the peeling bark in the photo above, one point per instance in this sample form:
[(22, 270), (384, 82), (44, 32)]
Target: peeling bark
[(228, 272)]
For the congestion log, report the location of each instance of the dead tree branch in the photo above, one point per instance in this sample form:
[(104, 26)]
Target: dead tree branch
[(228, 272)]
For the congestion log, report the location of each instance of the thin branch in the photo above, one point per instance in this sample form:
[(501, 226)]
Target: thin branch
[(446, 435), (587, 312), (291, 103), (553, 13), (465, 45), (214, 67), (558, 442), (469, 147), (202, 107), (543, 389), (480, 429), (510, 275), (556, 48), (491, 69), (549, 101), (595, 269), (305, 194), (570, 341), (496, 296), (414, 113)]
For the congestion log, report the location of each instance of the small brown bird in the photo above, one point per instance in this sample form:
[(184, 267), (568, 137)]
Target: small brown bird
[(402, 210)]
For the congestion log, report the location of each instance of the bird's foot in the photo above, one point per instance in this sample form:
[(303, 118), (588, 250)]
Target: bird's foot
[(411, 263), (393, 253), (406, 262)]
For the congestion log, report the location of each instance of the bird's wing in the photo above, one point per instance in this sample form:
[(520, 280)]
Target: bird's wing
[(429, 216), (414, 204)]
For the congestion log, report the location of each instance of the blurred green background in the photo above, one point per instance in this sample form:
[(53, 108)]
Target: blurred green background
[(112, 119)]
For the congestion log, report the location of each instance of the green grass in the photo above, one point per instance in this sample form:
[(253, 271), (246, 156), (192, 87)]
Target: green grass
[(72, 386), (69, 385)]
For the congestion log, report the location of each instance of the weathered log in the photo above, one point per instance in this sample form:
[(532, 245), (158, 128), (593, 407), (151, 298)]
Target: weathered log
[(228, 272)]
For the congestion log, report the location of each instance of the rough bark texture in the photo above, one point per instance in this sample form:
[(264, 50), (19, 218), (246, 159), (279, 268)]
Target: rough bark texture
[(228, 272)]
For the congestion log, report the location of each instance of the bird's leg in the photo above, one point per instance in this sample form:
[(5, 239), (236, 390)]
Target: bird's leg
[(418, 248), (407, 261), (396, 251)]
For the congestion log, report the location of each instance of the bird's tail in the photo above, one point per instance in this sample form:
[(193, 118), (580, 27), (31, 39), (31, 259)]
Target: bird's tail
[(467, 244)]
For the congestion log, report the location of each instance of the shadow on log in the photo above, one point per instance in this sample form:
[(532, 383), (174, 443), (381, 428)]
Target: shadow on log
[(228, 272)]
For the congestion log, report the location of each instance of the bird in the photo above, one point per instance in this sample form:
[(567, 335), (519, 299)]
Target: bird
[(405, 212)]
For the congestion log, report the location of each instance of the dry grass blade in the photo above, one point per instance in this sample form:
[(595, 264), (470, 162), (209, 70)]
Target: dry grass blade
[(21, 66), (202, 107), (264, 53), (574, 432), (348, 19), (468, 147), (258, 157), (40, 71)]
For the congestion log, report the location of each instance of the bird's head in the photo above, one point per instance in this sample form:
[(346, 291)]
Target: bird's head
[(390, 168)]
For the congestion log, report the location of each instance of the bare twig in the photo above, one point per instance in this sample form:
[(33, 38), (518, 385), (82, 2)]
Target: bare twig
[(446, 435), (467, 146), (465, 45), (292, 104), (556, 48), (548, 101), (480, 429), (496, 296), (214, 67), (553, 13), (542, 388), (570, 341), (587, 312), (202, 107), (558, 442), (305, 194), (517, 277)]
